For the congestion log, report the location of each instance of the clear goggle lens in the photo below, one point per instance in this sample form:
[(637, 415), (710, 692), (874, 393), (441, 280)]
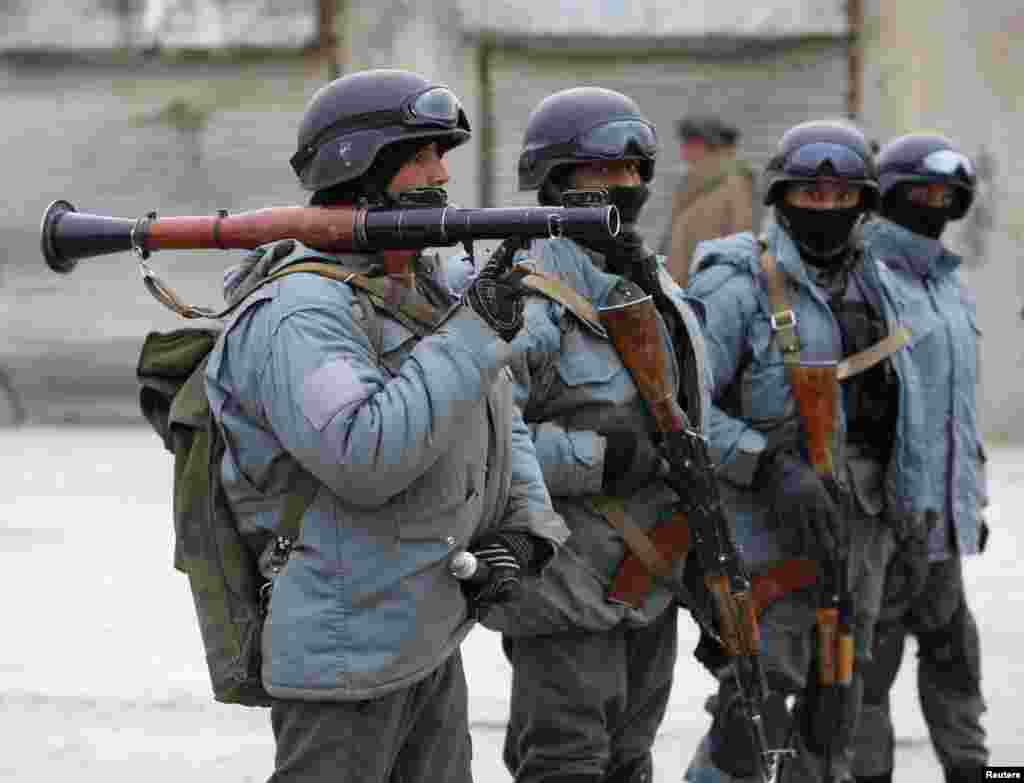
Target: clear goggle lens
[(436, 105), (615, 139), (947, 162)]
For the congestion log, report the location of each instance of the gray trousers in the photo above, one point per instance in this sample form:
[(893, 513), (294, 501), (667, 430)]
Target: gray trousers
[(587, 703), (948, 677), (419, 734), (787, 652)]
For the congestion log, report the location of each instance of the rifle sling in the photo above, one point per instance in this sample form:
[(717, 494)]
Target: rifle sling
[(783, 321), (612, 509)]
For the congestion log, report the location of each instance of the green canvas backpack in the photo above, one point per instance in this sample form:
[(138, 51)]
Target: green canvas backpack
[(222, 571)]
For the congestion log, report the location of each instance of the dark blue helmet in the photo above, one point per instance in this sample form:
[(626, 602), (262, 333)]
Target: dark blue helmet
[(928, 158), (822, 148), (585, 124), (349, 121)]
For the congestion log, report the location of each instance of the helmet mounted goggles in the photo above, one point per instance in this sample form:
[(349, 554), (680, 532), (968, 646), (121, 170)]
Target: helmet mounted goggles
[(607, 141), (435, 107), (825, 159)]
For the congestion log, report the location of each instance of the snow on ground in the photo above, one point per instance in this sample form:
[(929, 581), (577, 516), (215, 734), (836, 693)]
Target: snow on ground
[(101, 670)]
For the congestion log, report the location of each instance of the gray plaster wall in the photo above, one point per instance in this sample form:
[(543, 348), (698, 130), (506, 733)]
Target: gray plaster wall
[(121, 140), (121, 132), (956, 69)]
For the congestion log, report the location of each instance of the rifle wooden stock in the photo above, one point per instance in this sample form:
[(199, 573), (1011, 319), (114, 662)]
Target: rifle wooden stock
[(633, 581), (816, 388), (68, 235), (633, 329)]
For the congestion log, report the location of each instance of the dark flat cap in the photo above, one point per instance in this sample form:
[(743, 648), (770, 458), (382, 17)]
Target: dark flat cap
[(713, 130)]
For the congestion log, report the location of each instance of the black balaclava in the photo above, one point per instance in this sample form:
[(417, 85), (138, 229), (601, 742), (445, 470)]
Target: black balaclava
[(926, 221), (821, 235), (629, 200)]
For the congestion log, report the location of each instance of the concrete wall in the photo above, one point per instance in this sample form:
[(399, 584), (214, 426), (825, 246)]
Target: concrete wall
[(956, 69), (123, 131), (121, 140)]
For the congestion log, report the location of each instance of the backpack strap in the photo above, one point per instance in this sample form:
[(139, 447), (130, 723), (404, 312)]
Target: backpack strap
[(418, 316)]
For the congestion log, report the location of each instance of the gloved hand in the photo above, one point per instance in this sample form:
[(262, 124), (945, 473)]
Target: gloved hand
[(504, 558), (631, 462), (624, 252), (497, 294), (827, 715), (799, 497)]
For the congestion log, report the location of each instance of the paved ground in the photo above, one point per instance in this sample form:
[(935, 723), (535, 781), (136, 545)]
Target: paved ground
[(101, 670)]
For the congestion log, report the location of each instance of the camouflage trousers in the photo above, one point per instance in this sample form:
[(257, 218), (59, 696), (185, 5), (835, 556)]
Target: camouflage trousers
[(948, 677), (787, 653), (417, 733)]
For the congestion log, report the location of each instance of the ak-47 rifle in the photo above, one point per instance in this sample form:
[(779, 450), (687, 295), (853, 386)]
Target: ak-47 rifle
[(828, 725), (631, 320)]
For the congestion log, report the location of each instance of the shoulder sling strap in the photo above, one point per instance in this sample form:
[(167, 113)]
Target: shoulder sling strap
[(783, 323), (419, 317)]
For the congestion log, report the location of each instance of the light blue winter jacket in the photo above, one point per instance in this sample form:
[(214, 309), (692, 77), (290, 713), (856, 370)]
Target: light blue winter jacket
[(417, 448), (938, 465), (570, 383), (745, 366)]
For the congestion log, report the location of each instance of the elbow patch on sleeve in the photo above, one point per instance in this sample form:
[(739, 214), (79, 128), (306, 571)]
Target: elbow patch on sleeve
[(331, 387)]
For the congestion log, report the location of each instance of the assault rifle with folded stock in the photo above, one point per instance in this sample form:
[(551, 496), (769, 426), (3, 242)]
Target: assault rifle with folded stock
[(632, 324)]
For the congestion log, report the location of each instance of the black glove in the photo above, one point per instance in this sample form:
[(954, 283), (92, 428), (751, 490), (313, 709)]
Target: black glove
[(798, 496), (631, 462), (497, 294), (731, 739), (827, 715), (503, 559)]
